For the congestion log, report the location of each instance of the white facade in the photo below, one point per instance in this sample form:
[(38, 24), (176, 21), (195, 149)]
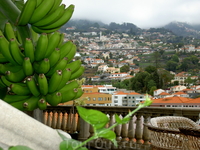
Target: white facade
[(107, 89), (117, 98)]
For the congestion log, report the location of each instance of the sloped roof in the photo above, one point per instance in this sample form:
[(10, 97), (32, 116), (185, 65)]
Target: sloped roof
[(179, 93), (164, 93), (176, 99)]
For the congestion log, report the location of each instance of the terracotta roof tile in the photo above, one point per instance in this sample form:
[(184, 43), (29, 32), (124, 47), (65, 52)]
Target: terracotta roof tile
[(175, 99), (164, 93), (179, 93)]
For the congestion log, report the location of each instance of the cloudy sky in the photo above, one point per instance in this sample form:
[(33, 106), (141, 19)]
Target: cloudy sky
[(142, 13)]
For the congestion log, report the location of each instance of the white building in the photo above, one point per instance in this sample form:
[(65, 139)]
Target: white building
[(107, 89), (117, 98)]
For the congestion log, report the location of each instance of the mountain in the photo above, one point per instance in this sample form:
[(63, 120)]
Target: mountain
[(89, 25), (184, 29)]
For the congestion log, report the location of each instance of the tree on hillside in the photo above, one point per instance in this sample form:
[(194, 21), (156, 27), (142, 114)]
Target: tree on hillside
[(125, 68), (156, 58), (171, 65)]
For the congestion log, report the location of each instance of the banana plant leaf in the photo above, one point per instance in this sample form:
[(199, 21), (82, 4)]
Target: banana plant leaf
[(19, 3)]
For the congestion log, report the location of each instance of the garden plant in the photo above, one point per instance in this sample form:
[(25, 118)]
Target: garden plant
[(37, 67)]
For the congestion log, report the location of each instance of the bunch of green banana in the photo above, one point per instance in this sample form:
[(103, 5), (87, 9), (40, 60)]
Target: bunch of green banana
[(40, 73), (45, 16), (39, 70)]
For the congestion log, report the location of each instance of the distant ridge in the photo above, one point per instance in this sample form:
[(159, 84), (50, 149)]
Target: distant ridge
[(178, 28)]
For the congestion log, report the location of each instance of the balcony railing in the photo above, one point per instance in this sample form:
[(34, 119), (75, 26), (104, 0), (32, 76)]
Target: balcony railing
[(132, 135)]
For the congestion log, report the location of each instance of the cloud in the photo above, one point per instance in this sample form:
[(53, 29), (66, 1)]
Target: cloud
[(143, 13)]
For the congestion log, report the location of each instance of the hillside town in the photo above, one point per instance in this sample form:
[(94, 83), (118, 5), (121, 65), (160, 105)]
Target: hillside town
[(104, 56)]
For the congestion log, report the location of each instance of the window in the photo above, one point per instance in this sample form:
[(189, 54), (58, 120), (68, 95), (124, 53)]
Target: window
[(133, 97), (115, 101), (125, 97), (100, 98), (88, 98), (133, 101), (129, 97), (116, 97), (94, 99), (141, 97), (105, 98)]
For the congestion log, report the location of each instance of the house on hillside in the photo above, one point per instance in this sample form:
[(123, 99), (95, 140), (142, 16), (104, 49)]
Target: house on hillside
[(181, 94), (180, 77), (102, 68), (177, 88)]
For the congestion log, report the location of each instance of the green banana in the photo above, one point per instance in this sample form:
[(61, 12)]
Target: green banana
[(53, 43), (42, 67), (2, 85), (59, 66), (5, 81), (42, 104), (54, 81), (9, 31), (69, 86), (9, 67), (62, 37), (41, 11), (65, 49), (40, 31), (34, 35), (1, 33), (31, 103), (78, 73), (71, 54), (38, 2), (74, 66), (14, 98), (4, 48), (26, 12), (54, 99), (29, 50), (41, 47), (56, 5), (16, 52), (62, 20), (19, 38), (43, 84), (79, 93), (19, 89), (54, 57), (15, 76), (69, 95), (3, 59), (31, 84), (27, 67), (51, 17), (18, 105), (66, 73)]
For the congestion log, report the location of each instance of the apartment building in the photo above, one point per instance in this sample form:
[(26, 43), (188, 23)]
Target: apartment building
[(92, 96), (122, 98), (133, 99)]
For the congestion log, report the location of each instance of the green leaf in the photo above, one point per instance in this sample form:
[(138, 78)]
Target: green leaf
[(107, 134), (19, 147), (121, 121), (3, 92), (1, 148), (19, 3), (3, 21), (94, 117)]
